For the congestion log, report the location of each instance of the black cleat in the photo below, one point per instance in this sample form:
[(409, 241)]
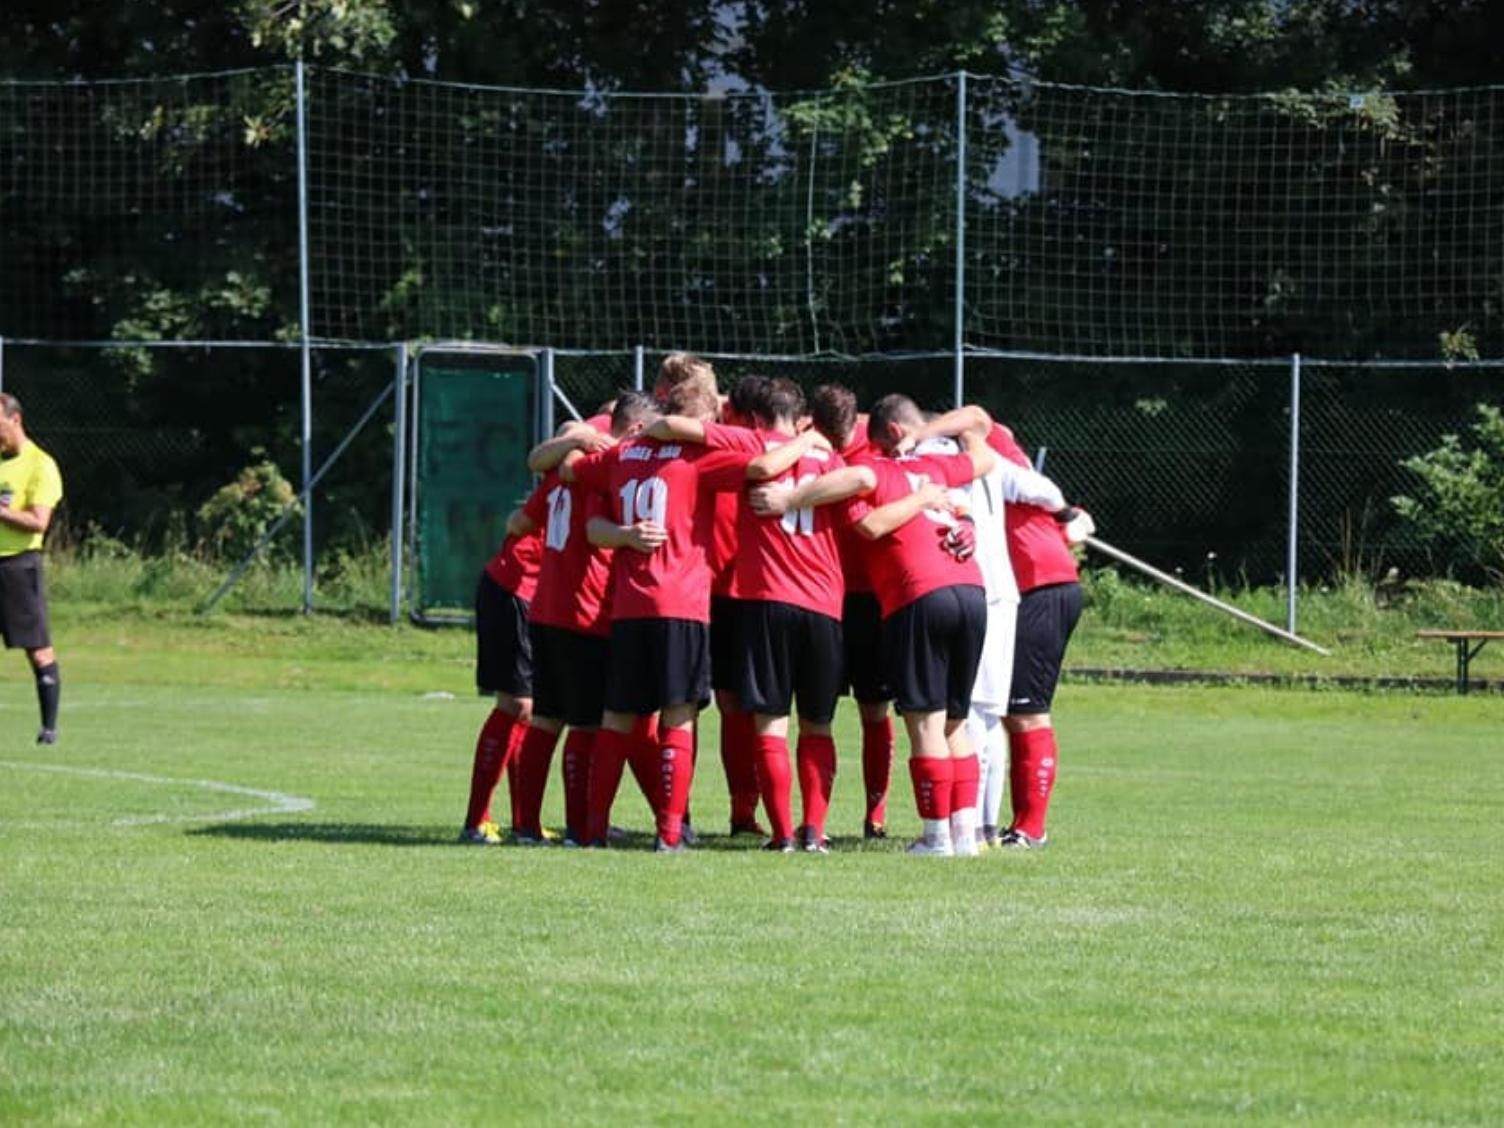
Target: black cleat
[(47, 736), (662, 847), (779, 846), (872, 830), (811, 843), (1018, 840)]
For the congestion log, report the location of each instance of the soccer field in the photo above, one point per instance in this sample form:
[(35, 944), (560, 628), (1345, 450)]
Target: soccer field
[(1256, 905)]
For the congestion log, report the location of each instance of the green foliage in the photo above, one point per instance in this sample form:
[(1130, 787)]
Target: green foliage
[(239, 513), (1459, 508)]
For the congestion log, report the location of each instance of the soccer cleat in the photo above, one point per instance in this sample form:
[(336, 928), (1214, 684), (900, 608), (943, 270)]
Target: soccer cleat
[(47, 736), (966, 846), (483, 835), (808, 841), (662, 847), (1014, 839), (779, 846), (987, 837), (872, 830), (923, 847), (738, 828), (617, 834), (523, 838), (687, 834)]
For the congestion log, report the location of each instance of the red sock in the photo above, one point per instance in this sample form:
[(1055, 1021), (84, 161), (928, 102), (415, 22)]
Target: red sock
[(675, 774), (1031, 778), (609, 756), (877, 767), (576, 768), (490, 760), (739, 759), (533, 762), (967, 774), (932, 776), (642, 758), (775, 783), (816, 756)]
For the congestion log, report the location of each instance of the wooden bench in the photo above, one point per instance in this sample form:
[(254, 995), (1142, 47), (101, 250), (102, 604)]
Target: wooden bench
[(1466, 650)]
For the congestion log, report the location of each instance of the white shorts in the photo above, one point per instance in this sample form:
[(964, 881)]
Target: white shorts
[(995, 674)]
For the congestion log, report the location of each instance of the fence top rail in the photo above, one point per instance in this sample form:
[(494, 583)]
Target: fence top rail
[(142, 80)]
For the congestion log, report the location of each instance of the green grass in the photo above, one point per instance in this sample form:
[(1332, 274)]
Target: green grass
[(1258, 905)]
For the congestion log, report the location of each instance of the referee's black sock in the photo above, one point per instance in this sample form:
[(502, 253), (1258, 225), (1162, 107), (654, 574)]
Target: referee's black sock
[(49, 689)]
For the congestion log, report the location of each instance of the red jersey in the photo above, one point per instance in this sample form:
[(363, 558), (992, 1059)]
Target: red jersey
[(1036, 541), (858, 449), (793, 558), (911, 561), (575, 574), (648, 480), (601, 423), (515, 565), (725, 506)]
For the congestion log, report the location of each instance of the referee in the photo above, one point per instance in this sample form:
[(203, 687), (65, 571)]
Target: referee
[(30, 489)]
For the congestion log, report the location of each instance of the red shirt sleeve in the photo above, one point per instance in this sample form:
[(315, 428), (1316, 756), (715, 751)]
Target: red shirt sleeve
[(956, 469), (723, 436), (1001, 440), (591, 471), (535, 508), (723, 470)]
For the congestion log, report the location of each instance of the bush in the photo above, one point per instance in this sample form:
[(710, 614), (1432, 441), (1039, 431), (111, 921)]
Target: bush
[(239, 514), (1459, 510)]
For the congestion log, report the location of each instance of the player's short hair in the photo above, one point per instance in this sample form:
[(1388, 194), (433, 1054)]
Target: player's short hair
[(833, 409), (749, 398), (631, 407), (894, 408), (694, 400), (683, 368), (785, 400), (10, 405)]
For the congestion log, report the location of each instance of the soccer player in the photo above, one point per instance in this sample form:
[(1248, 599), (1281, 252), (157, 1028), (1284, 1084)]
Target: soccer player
[(1049, 608), (568, 629), (504, 667), (30, 490), (787, 585), (834, 414), (932, 601)]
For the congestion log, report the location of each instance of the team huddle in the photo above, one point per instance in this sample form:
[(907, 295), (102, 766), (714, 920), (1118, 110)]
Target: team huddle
[(776, 554)]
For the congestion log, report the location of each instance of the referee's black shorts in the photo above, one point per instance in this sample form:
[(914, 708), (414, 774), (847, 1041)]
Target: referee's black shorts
[(503, 649), (789, 653), (656, 663), (862, 639), (1046, 617), (934, 646), (569, 675), (23, 602)]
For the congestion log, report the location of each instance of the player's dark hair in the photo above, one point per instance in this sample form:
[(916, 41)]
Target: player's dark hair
[(10, 405), (833, 410), (631, 406), (749, 398), (894, 408), (785, 400)]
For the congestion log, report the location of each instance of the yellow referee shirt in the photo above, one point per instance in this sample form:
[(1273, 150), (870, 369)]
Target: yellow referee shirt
[(28, 479)]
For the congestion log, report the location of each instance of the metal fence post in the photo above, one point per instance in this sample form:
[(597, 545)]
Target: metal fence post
[(2, 364), (546, 407), (1292, 552), (399, 472), (305, 351), (639, 363), (959, 343)]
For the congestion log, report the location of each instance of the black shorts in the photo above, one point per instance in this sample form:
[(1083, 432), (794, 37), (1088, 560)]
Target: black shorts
[(656, 663), (725, 650), (862, 632), (788, 653), (934, 646), (23, 602), (1046, 618), (569, 675), (503, 650)]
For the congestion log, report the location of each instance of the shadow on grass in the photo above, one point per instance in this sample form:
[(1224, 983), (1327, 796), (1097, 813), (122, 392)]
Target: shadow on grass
[(331, 834)]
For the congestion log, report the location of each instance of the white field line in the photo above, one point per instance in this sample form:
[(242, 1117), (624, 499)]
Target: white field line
[(278, 802)]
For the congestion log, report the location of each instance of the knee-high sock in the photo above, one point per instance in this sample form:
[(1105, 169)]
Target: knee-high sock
[(877, 767), (776, 784), (49, 689), (490, 761), (608, 758), (642, 758), (965, 772), (576, 771), (1032, 775), (675, 775), (933, 778), (739, 759), (533, 761), (817, 772), (985, 731)]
